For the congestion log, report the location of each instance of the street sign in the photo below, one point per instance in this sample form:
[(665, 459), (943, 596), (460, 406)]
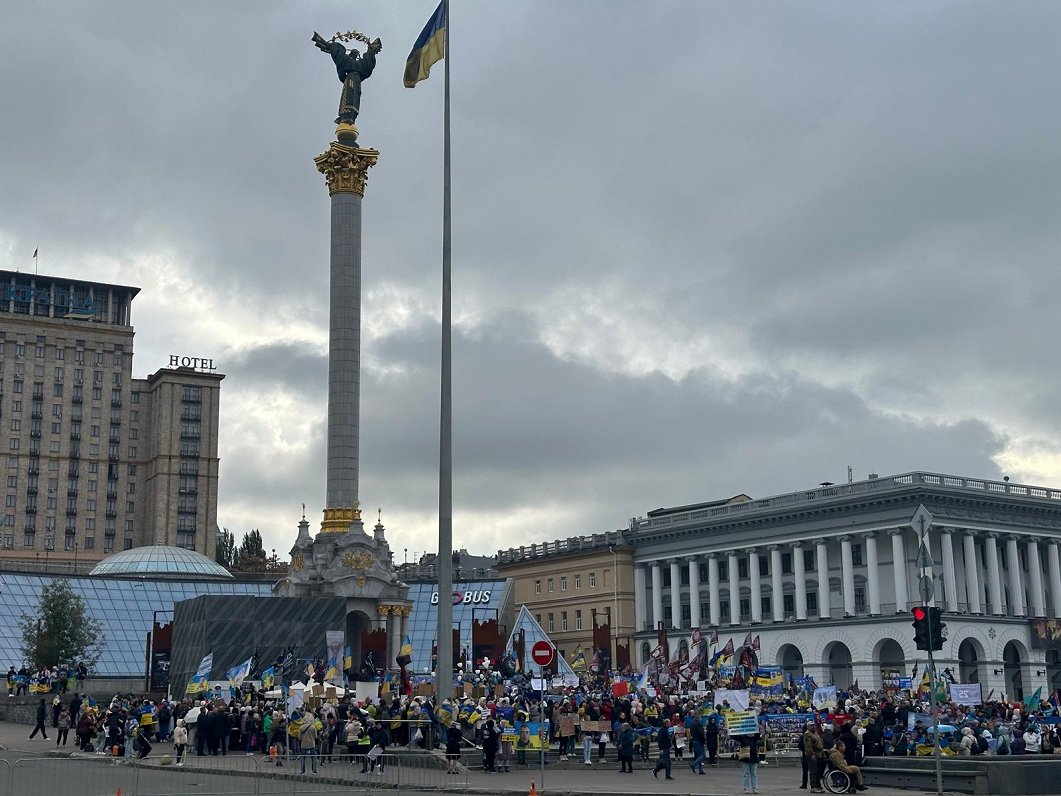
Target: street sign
[(927, 589), (542, 653)]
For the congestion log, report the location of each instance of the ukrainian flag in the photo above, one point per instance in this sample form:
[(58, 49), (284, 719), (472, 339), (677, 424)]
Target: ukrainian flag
[(429, 48)]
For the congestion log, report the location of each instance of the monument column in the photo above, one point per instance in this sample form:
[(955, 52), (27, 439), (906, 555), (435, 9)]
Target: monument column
[(345, 168)]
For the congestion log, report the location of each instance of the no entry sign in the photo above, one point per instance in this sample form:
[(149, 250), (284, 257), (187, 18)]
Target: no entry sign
[(542, 653)]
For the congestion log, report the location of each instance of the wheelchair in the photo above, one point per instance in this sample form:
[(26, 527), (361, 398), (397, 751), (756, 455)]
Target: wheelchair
[(836, 781)]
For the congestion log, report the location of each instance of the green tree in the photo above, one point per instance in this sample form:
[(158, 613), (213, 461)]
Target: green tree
[(251, 554), (225, 549), (61, 631)]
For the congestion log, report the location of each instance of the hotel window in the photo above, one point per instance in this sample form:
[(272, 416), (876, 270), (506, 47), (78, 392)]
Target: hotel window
[(812, 601), (593, 580), (723, 612), (563, 584), (745, 607), (808, 560), (764, 565), (683, 576), (578, 619), (742, 568), (563, 620), (860, 599), (687, 615), (723, 570), (667, 617), (537, 587), (552, 624), (550, 585), (856, 555), (578, 581), (790, 604), (786, 563)]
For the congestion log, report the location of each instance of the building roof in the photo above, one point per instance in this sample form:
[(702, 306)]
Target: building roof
[(161, 561)]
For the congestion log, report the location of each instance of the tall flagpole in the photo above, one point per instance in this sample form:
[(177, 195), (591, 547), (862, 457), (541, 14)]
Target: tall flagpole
[(444, 681)]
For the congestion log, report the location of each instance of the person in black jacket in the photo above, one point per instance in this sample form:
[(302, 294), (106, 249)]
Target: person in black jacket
[(663, 741), (711, 734), (490, 742), (42, 715), (852, 749)]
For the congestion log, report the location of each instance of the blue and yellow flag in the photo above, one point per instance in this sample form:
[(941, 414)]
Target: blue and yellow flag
[(429, 48)]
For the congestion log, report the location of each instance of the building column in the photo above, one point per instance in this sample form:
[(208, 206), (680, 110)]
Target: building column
[(755, 585), (640, 597), (822, 555), (777, 602), (1035, 579), (902, 591), (950, 580), (994, 579), (675, 593), (712, 588), (801, 582), (1016, 586), (872, 575), (734, 589), (847, 573), (383, 614), (394, 636), (1055, 577), (972, 580), (657, 596), (694, 592)]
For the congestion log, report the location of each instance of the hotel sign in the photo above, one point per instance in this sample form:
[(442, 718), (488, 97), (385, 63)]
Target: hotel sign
[(196, 363)]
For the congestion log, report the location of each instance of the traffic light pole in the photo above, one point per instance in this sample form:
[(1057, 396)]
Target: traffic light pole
[(937, 752)]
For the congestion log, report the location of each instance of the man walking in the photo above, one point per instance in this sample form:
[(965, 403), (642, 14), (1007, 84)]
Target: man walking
[(663, 741), (42, 716)]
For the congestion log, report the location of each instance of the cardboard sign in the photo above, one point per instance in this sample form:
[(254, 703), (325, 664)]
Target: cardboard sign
[(567, 725)]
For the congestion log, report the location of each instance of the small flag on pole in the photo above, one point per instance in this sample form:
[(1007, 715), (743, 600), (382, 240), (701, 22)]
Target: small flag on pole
[(35, 254), (430, 47)]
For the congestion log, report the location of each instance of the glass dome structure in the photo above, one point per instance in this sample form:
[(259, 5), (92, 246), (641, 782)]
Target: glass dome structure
[(160, 561)]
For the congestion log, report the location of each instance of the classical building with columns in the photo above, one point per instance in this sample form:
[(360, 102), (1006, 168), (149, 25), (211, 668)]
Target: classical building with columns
[(827, 577)]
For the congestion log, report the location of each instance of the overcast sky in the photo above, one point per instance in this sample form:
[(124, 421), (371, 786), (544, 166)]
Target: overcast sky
[(700, 248)]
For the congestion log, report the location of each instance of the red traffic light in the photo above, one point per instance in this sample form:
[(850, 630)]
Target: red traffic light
[(920, 614)]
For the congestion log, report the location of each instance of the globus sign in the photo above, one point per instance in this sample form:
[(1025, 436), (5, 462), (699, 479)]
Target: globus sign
[(477, 597)]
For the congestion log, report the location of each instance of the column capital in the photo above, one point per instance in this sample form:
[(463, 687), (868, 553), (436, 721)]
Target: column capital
[(751, 550), (796, 545), (969, 532), (346, 168), (845, 538), (948, 530), (773, 547), (896, 531), (693, 558), (713, 554), (993, 534), (869, 534), (654, 564), (673, 561), (1035, 540), (819, 541)]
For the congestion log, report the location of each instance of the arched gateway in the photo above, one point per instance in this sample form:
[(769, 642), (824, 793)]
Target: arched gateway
[(346, 562)]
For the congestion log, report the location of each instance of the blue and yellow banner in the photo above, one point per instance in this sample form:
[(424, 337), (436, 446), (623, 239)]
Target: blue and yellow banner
[(430, 47)]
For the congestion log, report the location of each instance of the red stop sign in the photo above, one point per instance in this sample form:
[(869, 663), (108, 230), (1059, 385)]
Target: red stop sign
[(542, 653)]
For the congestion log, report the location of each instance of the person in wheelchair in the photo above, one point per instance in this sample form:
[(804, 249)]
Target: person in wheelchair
[(836, 760)]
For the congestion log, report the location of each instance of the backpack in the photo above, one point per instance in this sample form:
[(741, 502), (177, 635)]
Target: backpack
[(981, 746)]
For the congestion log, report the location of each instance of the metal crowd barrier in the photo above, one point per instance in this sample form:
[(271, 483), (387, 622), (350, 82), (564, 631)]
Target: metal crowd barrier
[(235, 774)]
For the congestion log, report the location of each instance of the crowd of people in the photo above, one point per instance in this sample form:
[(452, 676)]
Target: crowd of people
[(57, 679), (603, 720)]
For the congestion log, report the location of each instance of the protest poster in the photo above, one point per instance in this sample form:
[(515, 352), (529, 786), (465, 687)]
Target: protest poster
[(966, 693), (567, 725), (741, 722), (824, 697), (788, 722), (738, 699), (528, 735)]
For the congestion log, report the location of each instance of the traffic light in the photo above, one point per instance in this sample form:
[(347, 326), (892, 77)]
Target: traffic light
[(929, 627), (937, 627), (921, 627)]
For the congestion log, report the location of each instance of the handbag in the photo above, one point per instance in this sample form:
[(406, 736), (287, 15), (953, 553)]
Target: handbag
[(745, 754)]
